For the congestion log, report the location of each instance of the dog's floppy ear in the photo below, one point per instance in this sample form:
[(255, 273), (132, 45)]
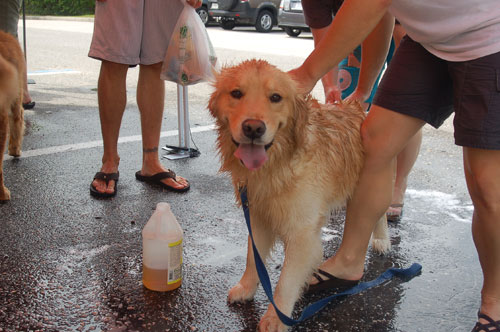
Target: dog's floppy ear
[(300, 117), (212, 103)]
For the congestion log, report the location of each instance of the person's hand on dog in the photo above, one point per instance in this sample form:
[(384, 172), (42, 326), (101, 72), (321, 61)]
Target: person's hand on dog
[(358, 95), (305, 83), (333, 95)]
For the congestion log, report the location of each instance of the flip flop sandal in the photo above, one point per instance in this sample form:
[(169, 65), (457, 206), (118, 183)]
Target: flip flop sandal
[(331, 282), (106, 177), (491, 326), (29, 106), (392, 216), (157, 179)]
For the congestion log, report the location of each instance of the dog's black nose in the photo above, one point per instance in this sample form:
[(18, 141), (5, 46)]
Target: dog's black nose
[(253, 128)]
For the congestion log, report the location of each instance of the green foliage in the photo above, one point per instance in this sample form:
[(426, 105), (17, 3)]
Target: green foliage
[(59, 7)]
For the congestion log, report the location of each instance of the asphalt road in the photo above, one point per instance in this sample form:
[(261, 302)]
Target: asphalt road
[(70, 262)]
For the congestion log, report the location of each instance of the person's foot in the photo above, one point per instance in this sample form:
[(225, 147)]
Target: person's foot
[(394, 212), (178, 183), (339, 271), (100, 184), (28, 103)]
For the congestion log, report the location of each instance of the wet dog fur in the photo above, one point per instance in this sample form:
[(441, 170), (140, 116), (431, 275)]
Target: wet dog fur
[(12, 80), (299, 159)]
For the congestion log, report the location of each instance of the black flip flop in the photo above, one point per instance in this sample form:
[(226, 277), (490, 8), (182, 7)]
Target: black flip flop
[(106, 177), (157, 179), (29, 105), (330, 283)]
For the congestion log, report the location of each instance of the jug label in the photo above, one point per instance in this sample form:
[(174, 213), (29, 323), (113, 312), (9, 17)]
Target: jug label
[(175, 262)]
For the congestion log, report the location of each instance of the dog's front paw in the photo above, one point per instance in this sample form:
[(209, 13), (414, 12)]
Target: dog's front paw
[(241, 293), (4, 194), (270, 322), (14, 151), (381, 246)]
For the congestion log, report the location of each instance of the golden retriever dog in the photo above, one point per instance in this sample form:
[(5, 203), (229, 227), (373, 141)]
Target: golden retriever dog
[(299, 159), (12, 80)]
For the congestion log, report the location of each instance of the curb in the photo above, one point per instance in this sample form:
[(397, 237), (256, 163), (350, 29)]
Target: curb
[(60, 18)]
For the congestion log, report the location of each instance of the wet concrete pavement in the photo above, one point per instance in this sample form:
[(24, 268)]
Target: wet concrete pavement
[(70, 262)]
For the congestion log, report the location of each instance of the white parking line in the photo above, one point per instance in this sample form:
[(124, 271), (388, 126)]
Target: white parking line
[(53, 72), (94, 144)]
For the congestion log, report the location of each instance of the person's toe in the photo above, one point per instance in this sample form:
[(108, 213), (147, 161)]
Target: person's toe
[(99, 185), (110, 189), (177, 183)]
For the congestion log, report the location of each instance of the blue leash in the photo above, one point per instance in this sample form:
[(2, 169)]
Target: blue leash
[(312, 309)]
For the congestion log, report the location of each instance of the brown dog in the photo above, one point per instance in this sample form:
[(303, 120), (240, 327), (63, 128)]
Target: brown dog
[(298, 159), (12, 80)]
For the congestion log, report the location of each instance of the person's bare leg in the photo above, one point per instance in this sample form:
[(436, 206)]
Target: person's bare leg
[(384, 133), (483, 181), (150, 99), (26, 94), (112, 98), (398, 34), (405, 161)]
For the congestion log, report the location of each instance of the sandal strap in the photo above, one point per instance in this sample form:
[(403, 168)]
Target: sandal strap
[(397, 205), (318, 277), (480, 327), (169, 174), (107, 176), (326, 274)]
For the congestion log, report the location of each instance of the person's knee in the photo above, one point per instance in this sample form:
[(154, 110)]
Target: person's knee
[(375, 145), (113, 70), (155, 67), (484, 191)]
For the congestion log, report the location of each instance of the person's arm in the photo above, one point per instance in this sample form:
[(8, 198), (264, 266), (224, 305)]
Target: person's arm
[(194, 3), (374, 51), (352, 24), (329, 80)]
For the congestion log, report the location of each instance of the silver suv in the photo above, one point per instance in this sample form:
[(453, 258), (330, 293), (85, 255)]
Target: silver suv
[(263, 14)]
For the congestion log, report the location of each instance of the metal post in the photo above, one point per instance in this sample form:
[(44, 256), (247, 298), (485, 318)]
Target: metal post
[(180, 115), (183, 150)]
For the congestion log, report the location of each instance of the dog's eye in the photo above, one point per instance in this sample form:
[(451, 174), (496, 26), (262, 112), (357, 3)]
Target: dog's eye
[(275, 98), (237, 94)]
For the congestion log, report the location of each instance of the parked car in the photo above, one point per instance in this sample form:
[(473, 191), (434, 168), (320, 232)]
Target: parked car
[(263, 14), (203, 13), (291, 17)]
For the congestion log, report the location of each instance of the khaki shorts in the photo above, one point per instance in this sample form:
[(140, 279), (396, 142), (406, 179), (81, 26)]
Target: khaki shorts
[(9, 16), (423, 86), (133, 31)]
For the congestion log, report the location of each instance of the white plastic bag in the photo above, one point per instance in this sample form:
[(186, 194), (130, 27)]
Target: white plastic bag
[(190, 56)]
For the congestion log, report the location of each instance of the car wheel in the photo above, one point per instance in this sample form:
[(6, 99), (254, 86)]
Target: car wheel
[(292, 32), (227, 24), (264, 21), (203, 13)]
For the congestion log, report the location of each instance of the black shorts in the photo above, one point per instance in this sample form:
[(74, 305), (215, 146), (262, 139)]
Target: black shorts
[(421, 85)]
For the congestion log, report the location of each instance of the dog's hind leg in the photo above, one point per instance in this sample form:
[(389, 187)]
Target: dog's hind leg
[(303, 253), (16, 124), (380, 237), (4, 128), (245, 289)]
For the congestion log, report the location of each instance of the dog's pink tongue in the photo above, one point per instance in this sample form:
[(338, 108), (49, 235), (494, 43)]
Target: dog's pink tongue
[(252, 155)]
